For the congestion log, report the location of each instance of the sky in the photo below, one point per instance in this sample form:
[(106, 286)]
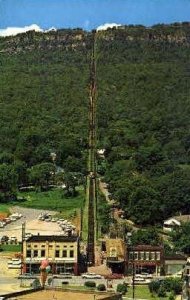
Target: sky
[(89, 14)]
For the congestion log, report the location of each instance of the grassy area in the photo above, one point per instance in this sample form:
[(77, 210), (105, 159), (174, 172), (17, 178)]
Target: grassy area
[(52, 200), (4, 208), (11, 248), (142, 292)]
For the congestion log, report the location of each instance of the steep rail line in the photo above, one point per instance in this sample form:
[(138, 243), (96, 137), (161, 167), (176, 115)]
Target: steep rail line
[(91, 179)]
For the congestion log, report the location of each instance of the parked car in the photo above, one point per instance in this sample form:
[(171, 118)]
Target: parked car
[(2, 224), (4, 238), (7, 220), (63, 275), (53, 220), (28, 235), (91, 276), (13, 239), (139, 279), (47, 219), (147, 275)]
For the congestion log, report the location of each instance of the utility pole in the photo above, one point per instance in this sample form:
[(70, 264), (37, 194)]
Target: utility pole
[(22, 241), (130, 248)]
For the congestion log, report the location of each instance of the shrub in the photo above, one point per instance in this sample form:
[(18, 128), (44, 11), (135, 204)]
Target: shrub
[(101, 287), (176, 285), (36, 283), (162, 291), (90, 284), (154, 286), (122, 288), (171, 296), (173, 284)]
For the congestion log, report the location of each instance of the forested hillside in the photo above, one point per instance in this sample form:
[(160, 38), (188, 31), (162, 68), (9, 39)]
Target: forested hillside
[(44, 105), (143, 115), (143, 110)]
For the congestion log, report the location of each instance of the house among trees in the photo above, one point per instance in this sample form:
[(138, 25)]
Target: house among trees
[(171, 223)]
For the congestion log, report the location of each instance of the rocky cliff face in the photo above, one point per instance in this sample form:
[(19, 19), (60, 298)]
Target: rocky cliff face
[(31, 40), (77, 39)]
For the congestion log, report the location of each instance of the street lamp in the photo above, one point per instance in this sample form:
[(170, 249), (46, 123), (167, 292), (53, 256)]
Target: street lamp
[(130, 246)]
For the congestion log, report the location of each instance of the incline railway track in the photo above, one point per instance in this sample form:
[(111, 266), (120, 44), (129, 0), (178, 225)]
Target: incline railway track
[(91, 179)]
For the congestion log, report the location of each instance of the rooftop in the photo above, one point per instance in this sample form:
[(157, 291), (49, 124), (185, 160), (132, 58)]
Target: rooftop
[(52, 238), (176, 256), (180, 218), (147, 248)]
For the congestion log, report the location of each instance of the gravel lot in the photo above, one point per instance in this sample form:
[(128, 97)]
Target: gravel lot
[(33, 225)]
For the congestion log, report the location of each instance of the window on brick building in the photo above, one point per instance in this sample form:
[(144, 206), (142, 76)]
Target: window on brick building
[(147, 255), (28, 253), (142, 255), (56, 253), (64, 253), (152, 255), (157, 255), (136, 255), (71, 253)]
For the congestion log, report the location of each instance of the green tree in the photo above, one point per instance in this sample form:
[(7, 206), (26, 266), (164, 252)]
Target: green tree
[(122, 288), (148, 236), (143, 202), (8, 182), (6, 158), (42, 174), (21, 170), (70, 182), (181, 238)]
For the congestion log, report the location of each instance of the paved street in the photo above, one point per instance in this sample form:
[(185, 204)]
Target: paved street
[(79, 281), (9, 284)]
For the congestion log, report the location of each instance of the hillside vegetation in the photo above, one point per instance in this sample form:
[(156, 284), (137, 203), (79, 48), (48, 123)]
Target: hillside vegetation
[(143, 112)]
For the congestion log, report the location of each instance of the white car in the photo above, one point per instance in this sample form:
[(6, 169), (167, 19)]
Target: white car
[(139, 279), (28, 235), (91, 276), (147, 275), (2, 224), (53, 220)]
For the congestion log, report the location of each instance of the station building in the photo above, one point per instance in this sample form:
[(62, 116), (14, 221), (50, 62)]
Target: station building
[(115, 250)]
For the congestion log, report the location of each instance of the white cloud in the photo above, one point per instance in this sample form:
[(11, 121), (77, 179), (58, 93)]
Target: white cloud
[(107, 25), (15, 30), (51, 29)]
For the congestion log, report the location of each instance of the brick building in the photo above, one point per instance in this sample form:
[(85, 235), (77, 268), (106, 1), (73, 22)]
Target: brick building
[(145, 258)]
